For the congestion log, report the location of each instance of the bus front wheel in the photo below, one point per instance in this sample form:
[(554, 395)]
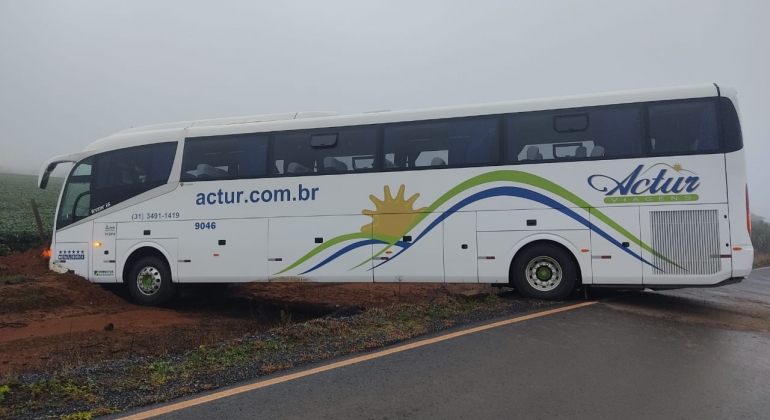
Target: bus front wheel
[(544, 271), (150, 282)]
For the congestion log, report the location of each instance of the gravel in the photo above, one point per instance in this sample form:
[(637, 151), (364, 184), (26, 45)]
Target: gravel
[(115, 390)]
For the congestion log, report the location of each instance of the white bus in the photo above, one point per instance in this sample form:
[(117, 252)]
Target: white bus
[(632, 189)]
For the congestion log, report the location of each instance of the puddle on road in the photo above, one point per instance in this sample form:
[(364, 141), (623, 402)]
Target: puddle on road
[(694, 306)]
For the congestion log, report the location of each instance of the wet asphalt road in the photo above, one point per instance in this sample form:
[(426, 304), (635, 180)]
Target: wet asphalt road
[(687, 354)]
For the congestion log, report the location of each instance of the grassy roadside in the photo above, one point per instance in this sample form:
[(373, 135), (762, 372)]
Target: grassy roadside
[(18, 231), (86, 392), (761, 260)]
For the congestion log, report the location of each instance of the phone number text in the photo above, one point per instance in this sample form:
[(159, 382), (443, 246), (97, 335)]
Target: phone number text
[(155, 216)]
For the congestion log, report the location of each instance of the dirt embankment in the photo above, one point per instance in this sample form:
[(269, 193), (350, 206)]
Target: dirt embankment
[(55, 320), (52, 321)]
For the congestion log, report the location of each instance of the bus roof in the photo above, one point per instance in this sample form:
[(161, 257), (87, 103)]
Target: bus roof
[(306, 120), (303, 120)]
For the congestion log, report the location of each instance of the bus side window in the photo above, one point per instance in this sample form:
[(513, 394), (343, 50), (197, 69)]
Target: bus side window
[(683, 127), (588, 133), (122, 174), (238, 156), (453, 143), (324, 151)]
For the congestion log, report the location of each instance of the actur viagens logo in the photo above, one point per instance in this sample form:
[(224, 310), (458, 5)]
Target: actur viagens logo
[(659, 182)]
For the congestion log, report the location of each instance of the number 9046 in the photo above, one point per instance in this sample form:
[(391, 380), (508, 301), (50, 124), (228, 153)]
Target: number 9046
[(205, 225)]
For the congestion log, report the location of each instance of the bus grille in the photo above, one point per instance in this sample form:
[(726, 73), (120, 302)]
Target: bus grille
[(689, 238)]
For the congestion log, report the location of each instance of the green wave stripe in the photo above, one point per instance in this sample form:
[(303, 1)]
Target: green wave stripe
[(334, 241), (535, 181), (495, 176)]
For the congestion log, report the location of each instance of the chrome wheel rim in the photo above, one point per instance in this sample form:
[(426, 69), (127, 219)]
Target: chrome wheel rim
[(543, 273), (148, 281)]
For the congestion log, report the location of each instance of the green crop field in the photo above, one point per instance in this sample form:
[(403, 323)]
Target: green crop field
[(17, 224)]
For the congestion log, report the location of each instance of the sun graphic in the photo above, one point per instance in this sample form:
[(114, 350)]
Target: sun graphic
[(392, 216), (678, 167)]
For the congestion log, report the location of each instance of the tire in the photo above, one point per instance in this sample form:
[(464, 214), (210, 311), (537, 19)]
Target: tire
[(149, 282), (543, 271)]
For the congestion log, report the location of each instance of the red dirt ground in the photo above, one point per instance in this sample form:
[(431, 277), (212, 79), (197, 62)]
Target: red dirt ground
[(52, 321)]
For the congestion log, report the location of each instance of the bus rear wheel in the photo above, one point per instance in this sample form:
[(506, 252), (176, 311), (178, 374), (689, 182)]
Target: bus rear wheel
[(544, 271), (149, 282)]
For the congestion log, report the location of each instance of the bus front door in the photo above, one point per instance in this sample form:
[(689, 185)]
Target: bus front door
[(103, 259)]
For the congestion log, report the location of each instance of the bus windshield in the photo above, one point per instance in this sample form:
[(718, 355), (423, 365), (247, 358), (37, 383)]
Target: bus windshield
[(76, 201)]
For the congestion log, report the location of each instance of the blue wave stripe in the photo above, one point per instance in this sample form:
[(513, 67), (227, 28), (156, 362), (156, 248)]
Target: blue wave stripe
[(351, 247), (529, 195)]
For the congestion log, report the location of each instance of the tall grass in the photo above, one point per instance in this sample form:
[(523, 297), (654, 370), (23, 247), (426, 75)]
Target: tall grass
[(761, 260)]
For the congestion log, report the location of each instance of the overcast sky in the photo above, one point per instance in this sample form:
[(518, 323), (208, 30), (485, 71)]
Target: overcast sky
[(73, 72)]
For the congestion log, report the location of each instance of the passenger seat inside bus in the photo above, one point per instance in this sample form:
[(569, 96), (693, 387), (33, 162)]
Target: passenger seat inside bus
[(597, 151), (533, 153), (296, 168), (437, 161), (581, 152), (207, 171), (334, 165)]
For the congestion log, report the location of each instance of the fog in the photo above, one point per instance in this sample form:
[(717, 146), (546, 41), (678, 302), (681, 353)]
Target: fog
[(73, 72)]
